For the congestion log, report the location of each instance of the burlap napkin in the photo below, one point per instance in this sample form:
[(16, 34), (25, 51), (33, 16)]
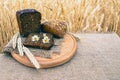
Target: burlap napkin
[(37, 52)]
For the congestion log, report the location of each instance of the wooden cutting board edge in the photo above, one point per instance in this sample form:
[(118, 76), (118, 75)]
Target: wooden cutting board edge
[(24, 60)]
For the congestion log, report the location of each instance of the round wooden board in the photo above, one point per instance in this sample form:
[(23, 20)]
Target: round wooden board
[(68, 49)]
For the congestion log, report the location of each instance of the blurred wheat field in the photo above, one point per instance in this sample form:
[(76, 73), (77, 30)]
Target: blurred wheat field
[(80, 15)]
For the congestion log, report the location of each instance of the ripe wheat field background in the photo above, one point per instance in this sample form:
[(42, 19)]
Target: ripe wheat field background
[(80, 15)]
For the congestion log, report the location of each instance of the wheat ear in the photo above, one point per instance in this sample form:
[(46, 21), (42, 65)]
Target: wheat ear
[(75, 36), (20, 46), (31, 57), (14, 40)]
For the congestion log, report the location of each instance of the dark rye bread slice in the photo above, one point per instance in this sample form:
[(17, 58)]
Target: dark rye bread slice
[(57, 28), (28, 21), (39, 44)]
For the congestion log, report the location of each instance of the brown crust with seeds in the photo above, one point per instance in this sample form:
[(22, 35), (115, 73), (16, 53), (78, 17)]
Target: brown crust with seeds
[(57, 28)]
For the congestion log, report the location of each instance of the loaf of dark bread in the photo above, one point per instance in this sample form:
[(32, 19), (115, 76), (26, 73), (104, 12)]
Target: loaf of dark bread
[(57, 28), (28, 21), (41, 40)]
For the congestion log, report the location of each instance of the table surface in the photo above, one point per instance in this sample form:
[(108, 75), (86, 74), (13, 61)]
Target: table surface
[(97, 58)]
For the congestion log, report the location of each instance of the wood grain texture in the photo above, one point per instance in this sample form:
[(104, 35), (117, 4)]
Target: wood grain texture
[(67, 51)]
